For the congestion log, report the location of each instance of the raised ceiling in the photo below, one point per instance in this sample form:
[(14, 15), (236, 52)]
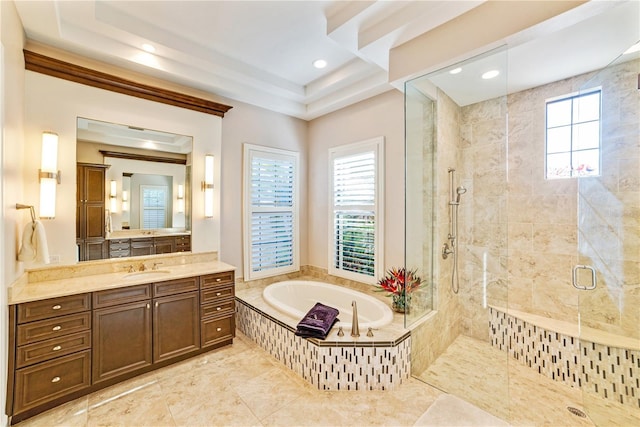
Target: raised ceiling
[(258, 52)]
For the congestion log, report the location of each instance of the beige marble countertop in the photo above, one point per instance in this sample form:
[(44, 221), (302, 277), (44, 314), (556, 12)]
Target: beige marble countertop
[(32, 289), (140, 234)]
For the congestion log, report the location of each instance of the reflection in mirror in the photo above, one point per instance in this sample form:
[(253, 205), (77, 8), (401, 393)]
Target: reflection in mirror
[(146, 176)]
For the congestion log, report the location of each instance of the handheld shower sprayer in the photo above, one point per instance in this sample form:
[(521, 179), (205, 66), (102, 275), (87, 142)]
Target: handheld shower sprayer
[(460, 191)]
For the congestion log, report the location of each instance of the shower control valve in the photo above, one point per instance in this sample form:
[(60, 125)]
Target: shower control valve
[(446, 250)]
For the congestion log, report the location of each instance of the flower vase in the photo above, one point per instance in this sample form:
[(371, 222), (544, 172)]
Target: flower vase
[(401, 303)]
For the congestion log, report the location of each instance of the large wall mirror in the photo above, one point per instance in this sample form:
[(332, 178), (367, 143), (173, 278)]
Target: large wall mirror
[(147, 186)]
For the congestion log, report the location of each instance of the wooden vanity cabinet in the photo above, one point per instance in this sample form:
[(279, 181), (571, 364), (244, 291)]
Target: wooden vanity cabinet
[(176, 320), (143, 246), (217, 308), (50, 353), (121, 331), (63, 348), (90, 211)]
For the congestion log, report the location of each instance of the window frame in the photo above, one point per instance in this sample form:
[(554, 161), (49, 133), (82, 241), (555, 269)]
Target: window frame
[(572, 126), (164, 208), (249, 150), (377, 146)]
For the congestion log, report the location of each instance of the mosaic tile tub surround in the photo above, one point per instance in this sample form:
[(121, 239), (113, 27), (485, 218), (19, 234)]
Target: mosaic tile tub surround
[(329, 365), (610, 372)]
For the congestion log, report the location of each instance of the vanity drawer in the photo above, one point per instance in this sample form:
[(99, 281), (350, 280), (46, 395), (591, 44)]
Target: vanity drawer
[(49, 349), (47, 381), (119, 253), (222, 307), (119, 243), (217, 329), (183, 243), (171, 287), (217, 279), (53, 328), (44, 309), (216, 294), (121, 296)]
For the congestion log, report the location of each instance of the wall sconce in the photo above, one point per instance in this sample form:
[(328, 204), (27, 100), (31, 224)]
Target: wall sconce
[(125, 200), (180, 198), (112, 196), (207, 186), (49, 175)]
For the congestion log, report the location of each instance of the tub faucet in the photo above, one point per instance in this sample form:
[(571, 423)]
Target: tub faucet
[(355, 328)]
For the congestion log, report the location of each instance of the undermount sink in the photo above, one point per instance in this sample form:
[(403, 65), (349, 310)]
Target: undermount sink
[(148, 274)]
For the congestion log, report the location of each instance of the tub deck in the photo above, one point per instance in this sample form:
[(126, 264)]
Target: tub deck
[(381, 362)]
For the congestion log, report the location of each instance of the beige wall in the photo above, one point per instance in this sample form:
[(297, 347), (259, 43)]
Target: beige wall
[(248, 124), (11, 141), (379, 116)]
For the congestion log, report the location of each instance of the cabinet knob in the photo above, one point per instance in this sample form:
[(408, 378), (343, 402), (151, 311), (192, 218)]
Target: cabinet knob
[(56, 328), (218, 329), (157, 304), (218, 308), (148, 306), (57, 348), (218, 280), (56, 307), (55, 379)]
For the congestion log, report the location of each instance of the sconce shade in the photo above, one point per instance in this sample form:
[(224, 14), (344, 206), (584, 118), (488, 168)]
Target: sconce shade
[(180, 208), (48, 175), (49, 160), (207, 186), (113, 192)]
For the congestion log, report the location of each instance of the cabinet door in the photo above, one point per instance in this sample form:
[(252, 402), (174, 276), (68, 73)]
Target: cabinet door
[(121, 339), (176, 325), (164, 245), (141, 247)]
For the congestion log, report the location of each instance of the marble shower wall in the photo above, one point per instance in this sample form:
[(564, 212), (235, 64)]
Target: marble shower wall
[(438, 330), (525, 233)]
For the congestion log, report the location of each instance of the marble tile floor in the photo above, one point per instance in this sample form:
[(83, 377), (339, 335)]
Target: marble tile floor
[(238, 385), (513, 392)]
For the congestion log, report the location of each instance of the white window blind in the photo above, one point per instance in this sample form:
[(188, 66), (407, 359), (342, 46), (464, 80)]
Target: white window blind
[(356, 173), (154, 206), (270, 208)]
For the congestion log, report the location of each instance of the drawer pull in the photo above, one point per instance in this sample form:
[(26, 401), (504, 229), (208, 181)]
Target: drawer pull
[(55, 379), (56, 307), (218, 294), (157, 304), (148, 306), (56, 328), (218, 329), (218, 308), (218, 280), (57, 348)]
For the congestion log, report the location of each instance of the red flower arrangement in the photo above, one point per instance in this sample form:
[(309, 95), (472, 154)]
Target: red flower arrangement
[(399, 281)]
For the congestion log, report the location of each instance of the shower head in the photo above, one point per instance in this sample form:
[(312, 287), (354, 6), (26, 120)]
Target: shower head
[(460, 191)]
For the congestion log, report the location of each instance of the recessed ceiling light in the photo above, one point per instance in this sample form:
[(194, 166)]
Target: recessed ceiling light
[(634, 48), (490, 74), (455, 70), (148, 48), (319, 63)]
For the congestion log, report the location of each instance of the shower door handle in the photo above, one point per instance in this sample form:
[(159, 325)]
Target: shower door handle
[(592, 286)]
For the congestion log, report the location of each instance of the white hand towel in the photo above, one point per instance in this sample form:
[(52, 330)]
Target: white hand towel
[(34, 244)]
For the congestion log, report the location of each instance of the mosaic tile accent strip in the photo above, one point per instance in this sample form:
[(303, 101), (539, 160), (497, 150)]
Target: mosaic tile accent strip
[(610, 372), (370, 366)]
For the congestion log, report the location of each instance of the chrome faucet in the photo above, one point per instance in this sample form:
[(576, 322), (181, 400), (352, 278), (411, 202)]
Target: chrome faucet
[(355, 328)]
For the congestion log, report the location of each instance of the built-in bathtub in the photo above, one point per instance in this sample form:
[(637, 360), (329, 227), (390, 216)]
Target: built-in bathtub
[(295, 297), (269, 316)]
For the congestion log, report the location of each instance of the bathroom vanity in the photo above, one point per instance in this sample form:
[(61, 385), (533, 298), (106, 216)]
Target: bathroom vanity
[(69, 340)]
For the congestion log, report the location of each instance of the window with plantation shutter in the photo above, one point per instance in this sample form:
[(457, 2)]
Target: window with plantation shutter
[(270, 212), (355, 242)]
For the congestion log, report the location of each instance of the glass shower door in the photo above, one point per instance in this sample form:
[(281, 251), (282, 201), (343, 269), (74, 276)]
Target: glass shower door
[(607, 268)]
